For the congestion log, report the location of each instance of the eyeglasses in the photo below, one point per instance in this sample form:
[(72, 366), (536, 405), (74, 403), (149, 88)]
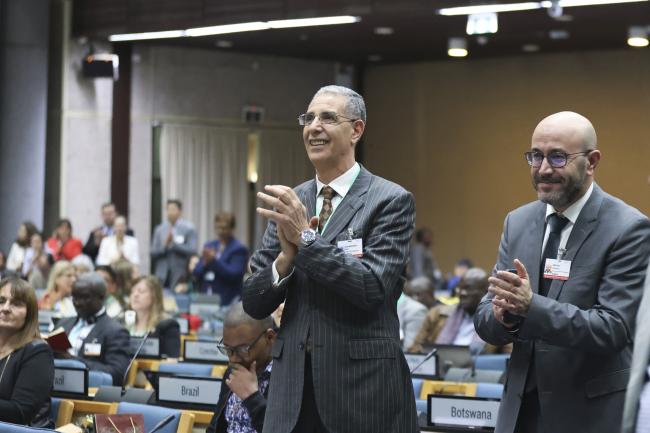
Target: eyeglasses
[(325, 117), (241, 350), (555, 159)]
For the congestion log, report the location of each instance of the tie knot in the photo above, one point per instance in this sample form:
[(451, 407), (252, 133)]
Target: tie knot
[(557, 222), (327, 192)]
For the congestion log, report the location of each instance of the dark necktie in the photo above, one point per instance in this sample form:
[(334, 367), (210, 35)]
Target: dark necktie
[(556, 223), (326, 211)]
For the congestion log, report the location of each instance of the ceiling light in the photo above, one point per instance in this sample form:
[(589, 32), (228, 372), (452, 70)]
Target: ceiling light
[(524, 6), (309, 22), (222, 43), (236, 28), (480, 24), (227, 28), (637, 36), (559, 35), (457, 47), (147, 35), (530, 48), (384, 31)]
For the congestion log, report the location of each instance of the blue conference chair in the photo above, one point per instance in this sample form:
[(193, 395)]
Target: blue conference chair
[(183, 302), (99, 378), (187, 368), (153, 415), (69, 363), (492, 362), (417, 387), (489, 390), (6, 427)]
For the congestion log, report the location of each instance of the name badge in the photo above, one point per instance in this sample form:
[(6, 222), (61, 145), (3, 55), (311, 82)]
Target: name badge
[(354, 247), (195, 390), (209, 276), (92, 349), (557, 269), (150, 348), (462, 412), (179, 239)]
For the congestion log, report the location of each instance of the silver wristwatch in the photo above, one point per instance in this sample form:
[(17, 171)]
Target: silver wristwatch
[(307, 237)]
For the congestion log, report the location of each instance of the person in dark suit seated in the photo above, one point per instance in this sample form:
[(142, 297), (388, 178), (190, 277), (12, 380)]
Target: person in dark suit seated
[(223, 262), (26, 364), (146, 301), (97, 340), (247, 343)]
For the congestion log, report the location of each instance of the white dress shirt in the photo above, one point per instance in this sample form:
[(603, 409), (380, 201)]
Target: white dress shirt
[(341, 185), (110, 251), (571, 213)]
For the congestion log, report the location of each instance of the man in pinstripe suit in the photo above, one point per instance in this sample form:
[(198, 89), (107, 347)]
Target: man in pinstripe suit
[(335, 252)]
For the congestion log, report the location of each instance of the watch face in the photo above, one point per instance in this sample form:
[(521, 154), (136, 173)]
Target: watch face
[(308, 236)]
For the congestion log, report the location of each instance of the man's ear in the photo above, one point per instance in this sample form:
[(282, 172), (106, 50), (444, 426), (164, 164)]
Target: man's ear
[(358, 126), (592, 160)]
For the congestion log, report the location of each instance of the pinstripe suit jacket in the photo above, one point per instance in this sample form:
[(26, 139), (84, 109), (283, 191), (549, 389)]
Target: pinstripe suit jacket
[(347, 306)]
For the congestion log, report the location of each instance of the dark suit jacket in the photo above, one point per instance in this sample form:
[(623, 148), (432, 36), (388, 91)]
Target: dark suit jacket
[(91, 250), (255, 405), (582, 331), (26, 385), (228, 270), (347, 306), (640, 361), (114, 339)]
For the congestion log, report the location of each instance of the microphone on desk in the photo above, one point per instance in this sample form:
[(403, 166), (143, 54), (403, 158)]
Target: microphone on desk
[(117, 393), (135, 355), (426, 358), (162, 423)]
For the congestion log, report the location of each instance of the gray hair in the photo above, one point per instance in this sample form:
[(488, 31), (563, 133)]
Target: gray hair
[(85, 261), (236, 316), (355, 107), (93, 282)]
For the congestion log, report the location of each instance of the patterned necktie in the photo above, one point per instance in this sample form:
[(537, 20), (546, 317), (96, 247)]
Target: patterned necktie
[(326, 211), (556, 223)]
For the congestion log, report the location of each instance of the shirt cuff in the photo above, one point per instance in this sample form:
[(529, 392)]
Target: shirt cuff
[(277, 282)]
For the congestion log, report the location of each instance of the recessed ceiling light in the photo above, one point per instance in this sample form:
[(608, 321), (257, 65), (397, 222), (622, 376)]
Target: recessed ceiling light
[(374, 58), (530, 48), (558, 35), (221, 43), (637, 36), (457, 47), (384, 31)]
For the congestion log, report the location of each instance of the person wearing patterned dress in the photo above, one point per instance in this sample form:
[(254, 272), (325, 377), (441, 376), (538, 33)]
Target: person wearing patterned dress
[(247, 343)]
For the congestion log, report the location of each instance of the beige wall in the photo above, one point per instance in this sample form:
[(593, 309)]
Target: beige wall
[(454, 133)]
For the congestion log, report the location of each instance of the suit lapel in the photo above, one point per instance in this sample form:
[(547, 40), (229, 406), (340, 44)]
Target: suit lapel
[(585, 224), (349, 206), (308, 197), (96, 329), (533, 254)]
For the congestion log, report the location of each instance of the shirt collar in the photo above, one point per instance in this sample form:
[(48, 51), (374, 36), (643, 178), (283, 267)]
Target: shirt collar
[(93, 319), (573, 211), (341, 184)]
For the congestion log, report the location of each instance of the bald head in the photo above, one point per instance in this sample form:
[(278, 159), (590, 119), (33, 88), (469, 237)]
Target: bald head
[(563, 158), (574, 128)]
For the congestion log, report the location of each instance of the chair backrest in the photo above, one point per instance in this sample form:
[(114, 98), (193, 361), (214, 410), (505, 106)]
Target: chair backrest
[(99, 378), (7, 427), (489, 390), (492, 362), (70, 363), (186, 368), (61, 411), (183, 302), (183, 422)]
